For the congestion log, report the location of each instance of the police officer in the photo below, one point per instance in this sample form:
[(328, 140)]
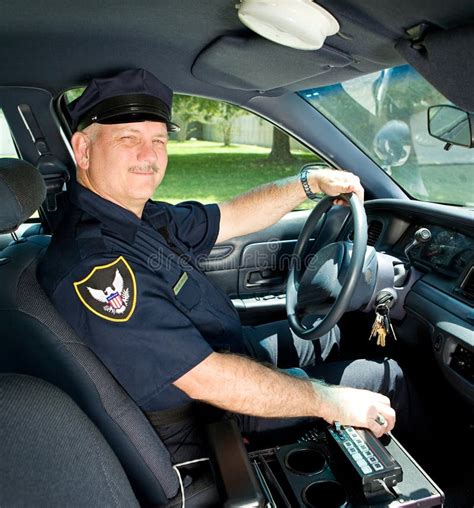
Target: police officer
[(123, 271)]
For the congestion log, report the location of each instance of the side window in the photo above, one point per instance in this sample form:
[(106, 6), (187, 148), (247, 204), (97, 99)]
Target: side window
[(222, 151), (7, 147)]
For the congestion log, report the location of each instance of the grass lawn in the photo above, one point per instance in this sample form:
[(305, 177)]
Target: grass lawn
[(209, 172)]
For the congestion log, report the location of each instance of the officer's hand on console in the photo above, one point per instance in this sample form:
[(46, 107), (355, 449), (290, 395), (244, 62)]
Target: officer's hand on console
[(358, 408), (241, 385)]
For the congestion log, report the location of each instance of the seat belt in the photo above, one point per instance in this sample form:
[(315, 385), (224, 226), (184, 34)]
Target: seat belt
[(53, 170)]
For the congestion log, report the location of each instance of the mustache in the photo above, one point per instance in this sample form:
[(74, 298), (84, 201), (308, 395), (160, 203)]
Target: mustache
[(144, 168)]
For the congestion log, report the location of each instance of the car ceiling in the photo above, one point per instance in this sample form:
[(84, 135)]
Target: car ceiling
[(201, 47)]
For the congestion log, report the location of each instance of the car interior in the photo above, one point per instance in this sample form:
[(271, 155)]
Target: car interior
[(385, 91)]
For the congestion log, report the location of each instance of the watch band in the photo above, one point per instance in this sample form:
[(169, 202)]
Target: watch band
[(304, 182)]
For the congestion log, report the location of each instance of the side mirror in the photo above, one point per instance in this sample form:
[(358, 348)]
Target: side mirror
[(451, 124)]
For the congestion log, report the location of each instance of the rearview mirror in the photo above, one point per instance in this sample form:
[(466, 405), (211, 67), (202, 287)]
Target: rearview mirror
[(452, 125)]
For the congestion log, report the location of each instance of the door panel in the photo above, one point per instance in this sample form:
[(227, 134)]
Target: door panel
[(252, 269), (264, 265)]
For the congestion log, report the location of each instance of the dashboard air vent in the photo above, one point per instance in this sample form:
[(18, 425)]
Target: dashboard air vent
[(467, 285), (374, 231)]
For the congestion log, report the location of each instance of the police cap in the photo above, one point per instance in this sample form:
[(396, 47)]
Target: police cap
[(133, 95)]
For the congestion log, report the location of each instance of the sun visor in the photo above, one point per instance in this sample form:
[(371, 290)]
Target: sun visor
[(255, 64), (445, 59)]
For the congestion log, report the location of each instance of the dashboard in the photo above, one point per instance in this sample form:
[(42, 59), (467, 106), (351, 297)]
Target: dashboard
[(441, 299), (448, 253), (446, 262)]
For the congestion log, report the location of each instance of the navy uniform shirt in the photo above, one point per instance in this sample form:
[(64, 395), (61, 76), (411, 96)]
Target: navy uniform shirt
[(132, 290)]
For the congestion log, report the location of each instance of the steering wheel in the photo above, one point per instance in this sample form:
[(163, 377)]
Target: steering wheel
[(328, 283)]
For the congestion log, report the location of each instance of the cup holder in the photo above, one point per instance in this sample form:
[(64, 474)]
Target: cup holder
[(305, 461), (325, 494)]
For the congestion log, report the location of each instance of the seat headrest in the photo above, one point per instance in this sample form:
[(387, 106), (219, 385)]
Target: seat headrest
[(22, 190)]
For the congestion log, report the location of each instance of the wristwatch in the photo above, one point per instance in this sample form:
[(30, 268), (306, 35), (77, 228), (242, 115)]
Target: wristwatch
[(304, 182)]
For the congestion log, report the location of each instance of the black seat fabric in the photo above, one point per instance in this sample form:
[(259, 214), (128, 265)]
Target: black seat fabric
[(22, 190), (51, 453), (35, 340)]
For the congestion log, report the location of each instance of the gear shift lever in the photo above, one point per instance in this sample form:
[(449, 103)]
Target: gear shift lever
[(422, 235)]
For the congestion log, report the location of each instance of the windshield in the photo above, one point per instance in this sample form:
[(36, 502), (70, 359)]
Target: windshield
[(385, 115)]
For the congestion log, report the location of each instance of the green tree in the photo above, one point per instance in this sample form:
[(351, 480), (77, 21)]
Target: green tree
[(280, 151), (223, 115), (188, 109), (73, 94), (405, 97)]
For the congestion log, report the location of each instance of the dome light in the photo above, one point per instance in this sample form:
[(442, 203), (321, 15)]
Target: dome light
[(299, 24)]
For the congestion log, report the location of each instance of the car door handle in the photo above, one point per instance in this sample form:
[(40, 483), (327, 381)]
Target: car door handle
[(264, 278)]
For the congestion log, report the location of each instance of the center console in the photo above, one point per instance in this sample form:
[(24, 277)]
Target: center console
[(326, 468)]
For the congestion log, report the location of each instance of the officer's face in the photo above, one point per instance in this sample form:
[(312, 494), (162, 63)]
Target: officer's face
[(123, 163)]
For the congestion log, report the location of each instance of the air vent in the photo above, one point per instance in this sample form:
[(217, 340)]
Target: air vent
[(373, 233), (467, 285)]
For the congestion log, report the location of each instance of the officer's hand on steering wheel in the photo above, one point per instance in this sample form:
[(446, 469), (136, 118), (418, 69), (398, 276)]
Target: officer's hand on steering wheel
[(334, 182)]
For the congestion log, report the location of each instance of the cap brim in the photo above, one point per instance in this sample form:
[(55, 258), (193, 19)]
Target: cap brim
[(129, 108), (138, 116)]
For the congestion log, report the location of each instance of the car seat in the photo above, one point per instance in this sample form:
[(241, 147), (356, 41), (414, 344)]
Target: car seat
[(52, 454)]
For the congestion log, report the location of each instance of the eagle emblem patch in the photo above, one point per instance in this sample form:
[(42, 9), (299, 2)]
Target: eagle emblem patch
[(109, 291)]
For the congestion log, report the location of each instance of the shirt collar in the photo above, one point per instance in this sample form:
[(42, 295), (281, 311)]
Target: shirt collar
[(155, 214), (116, 218)]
